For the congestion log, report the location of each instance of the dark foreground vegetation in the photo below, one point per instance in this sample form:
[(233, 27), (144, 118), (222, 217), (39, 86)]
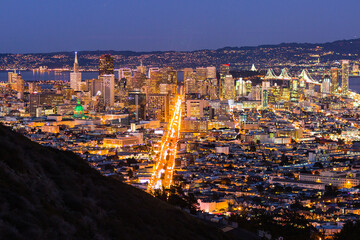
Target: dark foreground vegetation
[(50, 194)]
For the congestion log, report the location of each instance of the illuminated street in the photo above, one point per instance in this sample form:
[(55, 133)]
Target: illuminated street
[(163, 174)]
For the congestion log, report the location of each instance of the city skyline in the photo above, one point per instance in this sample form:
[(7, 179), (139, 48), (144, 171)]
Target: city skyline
[(185, 26), (161, 137)]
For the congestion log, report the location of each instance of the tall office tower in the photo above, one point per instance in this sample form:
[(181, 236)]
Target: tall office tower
[(190, 85), (255, 93), (95, 87), (265, 98), (141, 69), (106, 65), (188, 73), (12, 77), (137, 105), (285, 94), (224, 71), (155, 80), (195, 107), (75, 76), (345, 77), (20, 84), (240, 88), (334, 80), (275, 94), (137, 81), (229, 87), (213, 89), (108, 89), (211, 72), (248, 86), (325, 85), (169, 75), (200, 80), (157, 107), (294, 89)]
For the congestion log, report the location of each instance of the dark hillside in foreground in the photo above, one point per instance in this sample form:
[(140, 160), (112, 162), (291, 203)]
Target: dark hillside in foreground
[(50, 194)]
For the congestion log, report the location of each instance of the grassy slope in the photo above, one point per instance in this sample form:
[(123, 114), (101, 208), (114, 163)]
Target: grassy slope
[(51, 194)]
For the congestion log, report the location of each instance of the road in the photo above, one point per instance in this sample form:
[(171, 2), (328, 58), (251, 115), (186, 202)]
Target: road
[(162, 176)]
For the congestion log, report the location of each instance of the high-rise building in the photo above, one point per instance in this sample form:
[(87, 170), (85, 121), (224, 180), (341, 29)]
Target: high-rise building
[(188, 73), (169, 75), (106, 65), (264, 99), (190, 85), (325, 85), (137, 81), (157, 107), (75, 76), (20, 84), (345, 77), (294, 89), (94, 86), (201, 74), (240, 88), (224, 71), (211, 72), (137, 105), (155, 80), (248, 86), (334, 80), (195, 107), (229, 87), (12, 77), (108, 89)]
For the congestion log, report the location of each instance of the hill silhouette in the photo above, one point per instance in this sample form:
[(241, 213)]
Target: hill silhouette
[(243, 57), (51, 194)]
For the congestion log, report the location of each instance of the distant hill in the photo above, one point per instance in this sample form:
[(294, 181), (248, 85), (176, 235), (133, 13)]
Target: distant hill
[(239, 57), (50, 194)]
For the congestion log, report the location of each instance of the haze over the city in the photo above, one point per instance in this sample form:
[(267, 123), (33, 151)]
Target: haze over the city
[(50, 26)]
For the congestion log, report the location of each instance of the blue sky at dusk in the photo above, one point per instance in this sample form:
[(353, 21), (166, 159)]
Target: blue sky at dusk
[(29, 26)]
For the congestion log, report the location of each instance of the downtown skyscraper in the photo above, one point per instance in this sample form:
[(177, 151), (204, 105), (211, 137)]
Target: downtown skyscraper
[(75, 76)]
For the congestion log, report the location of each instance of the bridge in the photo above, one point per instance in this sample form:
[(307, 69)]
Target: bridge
[(162, 176), (284, 75)]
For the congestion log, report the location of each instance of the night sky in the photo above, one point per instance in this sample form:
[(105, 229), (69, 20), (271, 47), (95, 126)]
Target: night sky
[(29, 26)]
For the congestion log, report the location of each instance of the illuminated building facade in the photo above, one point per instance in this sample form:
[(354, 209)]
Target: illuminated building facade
[(157, 107), (265, 98), (334, 80), (224, 71), (41, 100), (240, 88), (326, 85), (345, 77), (211, 72), (195, 108), (106, 65), (229, 87), (108, 89), (75, 76), (137, 105)]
